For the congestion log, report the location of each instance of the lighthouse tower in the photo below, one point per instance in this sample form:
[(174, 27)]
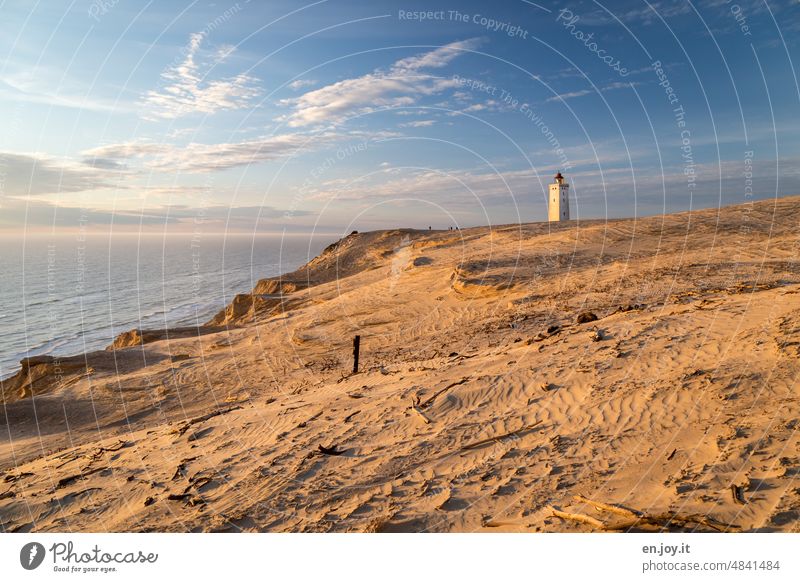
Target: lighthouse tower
[(558, 204)]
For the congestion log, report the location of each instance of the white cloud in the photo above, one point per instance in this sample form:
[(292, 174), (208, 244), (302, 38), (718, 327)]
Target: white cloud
[(476, 107), (437, 58), (620, 85), (189, 90), (647, 15), (301, 83), (570, 95), (421, 123), (650, 13), (402, 85), (490, 105)]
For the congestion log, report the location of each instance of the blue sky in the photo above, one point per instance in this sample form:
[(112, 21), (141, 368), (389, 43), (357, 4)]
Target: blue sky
[(337, 115)]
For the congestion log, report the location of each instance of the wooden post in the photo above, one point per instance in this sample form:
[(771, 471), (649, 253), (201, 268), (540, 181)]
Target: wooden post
[(356, 346)]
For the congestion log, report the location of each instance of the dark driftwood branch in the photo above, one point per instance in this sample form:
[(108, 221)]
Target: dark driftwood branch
[(333, 450), (428, 401), (737, 492), (185, 425), (480, 443), (305, 422), (68, 480), (120, 444), (356, 348), (14, 477), (69, 460), (186, 497)]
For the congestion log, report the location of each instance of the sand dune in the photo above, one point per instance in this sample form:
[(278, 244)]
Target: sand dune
[(684, 386)]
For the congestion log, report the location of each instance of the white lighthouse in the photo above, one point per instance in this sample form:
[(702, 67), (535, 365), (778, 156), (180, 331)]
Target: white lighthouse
[(558, 204)]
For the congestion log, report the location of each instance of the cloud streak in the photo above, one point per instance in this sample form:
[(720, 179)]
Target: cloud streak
[(582, 92), (36, 213), (401, 86), (204, 158), (37, 175), (455, 188)]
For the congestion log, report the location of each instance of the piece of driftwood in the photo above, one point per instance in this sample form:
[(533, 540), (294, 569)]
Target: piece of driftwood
[(579, 517), (421, 414), (93, 455), (428, 401), (349, 417), (98, 452), (737, 492), (672, 454), (199, 482), (188, 498), (286, 411), (624, 511), (70, 479), (183, 427), (332, 450), (305, 422), (480, 443), (637, 519), (356, 348), (14, 477), (67, 462)]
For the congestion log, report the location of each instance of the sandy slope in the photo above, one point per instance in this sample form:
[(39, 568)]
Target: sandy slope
[(688, 388)]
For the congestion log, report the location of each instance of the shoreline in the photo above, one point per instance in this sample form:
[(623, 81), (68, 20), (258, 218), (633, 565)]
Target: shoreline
[(177, 313)]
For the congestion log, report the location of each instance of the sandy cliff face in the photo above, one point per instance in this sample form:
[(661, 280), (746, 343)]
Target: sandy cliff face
[(39, 374), (351, 255), (481, 402)]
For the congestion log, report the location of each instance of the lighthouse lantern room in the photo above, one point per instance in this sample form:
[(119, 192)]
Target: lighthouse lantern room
[(558, 203)]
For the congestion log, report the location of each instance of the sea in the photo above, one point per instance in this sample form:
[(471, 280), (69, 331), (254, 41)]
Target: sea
[(69, 294)]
